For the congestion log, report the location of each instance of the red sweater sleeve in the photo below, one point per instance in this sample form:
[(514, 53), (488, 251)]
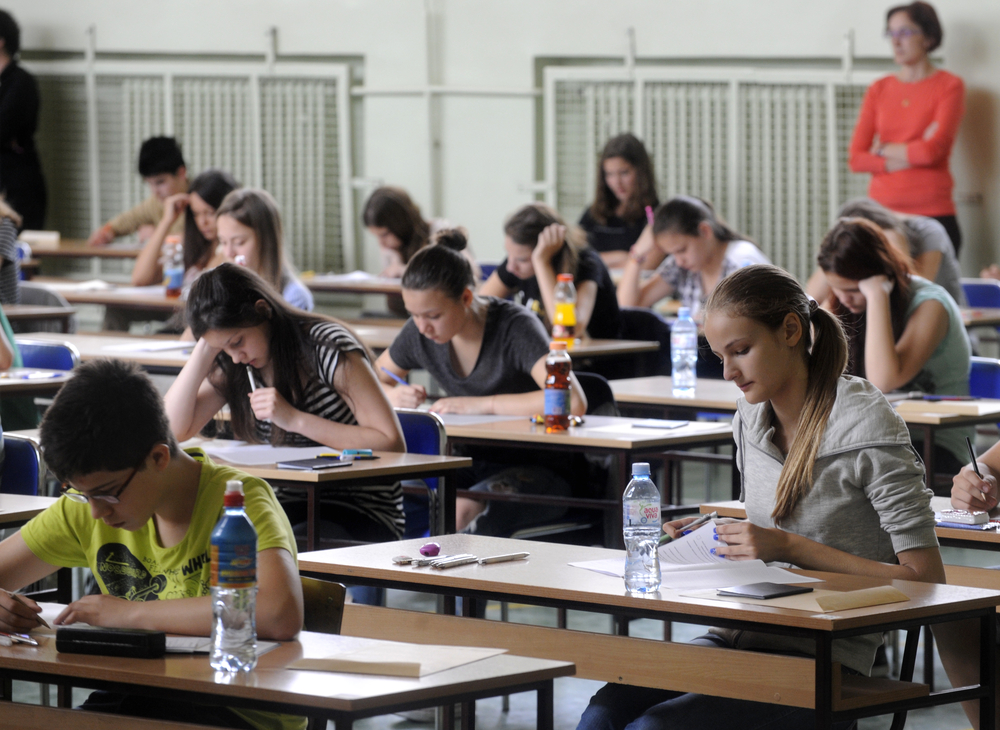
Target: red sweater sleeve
[(947, 116), (860, 157)]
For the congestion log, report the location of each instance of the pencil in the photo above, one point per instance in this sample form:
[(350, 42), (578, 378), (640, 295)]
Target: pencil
[(253, 385), (41, 621), (393, 375), (972, 453)]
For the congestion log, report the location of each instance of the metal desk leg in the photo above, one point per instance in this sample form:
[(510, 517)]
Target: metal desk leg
[(824, 681), (546, 707), (312, 518), (929, 480), (987, 668), (446, 506)]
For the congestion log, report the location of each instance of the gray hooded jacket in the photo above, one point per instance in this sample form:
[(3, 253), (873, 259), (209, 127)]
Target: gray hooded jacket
[(868, 495)]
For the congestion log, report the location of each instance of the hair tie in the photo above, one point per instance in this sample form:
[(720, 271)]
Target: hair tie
[(813, 306)]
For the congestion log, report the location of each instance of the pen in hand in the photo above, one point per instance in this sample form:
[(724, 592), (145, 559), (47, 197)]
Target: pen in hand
[(253, 387), (972, 453), (38, 617), (689, 527), (393, 375)]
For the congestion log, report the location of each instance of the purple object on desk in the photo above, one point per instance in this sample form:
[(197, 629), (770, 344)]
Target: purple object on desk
[(430, 549)]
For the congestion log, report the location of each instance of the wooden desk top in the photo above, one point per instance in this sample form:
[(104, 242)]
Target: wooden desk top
[(21, 381), (272, 682), (546, 575), (21, 507), (606, 432), (720, 395), (78, 249), (95, 346), (129, 297), (26, 312), (357, 283), (981, 317)]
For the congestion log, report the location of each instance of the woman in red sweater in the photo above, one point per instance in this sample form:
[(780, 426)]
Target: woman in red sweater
[(908, 122)]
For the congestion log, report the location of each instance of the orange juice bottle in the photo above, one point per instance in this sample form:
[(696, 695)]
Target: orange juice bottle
[(564, 318), (558, 389), (173, 265)]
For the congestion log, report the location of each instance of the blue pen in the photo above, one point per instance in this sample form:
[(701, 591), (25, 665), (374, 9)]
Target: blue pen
[(393, 375)]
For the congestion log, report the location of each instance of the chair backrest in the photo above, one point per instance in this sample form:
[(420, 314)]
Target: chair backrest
[(982, 292), (324, 605), (424, 434), (22, 466), (39, 294), (51, 355), (984, 378), (639, 323), (487, 269), (600, 398)]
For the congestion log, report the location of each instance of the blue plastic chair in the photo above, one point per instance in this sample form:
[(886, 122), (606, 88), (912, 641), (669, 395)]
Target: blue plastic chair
[(982, 292), (424, 433), (22, 466), (487, 269), (48, 355), (984, 378)]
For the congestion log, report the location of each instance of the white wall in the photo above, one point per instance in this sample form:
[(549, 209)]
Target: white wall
[(489, 143)]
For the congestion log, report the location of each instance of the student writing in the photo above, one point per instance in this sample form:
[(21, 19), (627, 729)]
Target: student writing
[(314, 385), (139, 512), (829, 479), (488, 354)]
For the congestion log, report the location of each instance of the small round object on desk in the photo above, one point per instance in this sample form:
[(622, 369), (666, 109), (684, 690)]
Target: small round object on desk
[(429, 550)]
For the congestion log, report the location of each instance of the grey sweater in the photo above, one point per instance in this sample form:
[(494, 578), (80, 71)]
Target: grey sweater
[(868, 496)]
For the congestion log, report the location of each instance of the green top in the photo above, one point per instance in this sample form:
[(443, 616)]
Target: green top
[(19, 411)]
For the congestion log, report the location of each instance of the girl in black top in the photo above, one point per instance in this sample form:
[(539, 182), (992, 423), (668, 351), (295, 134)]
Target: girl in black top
[(626, 185), (540, 246)]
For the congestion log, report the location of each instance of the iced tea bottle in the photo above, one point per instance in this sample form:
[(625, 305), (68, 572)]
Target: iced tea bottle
[(558, 368)]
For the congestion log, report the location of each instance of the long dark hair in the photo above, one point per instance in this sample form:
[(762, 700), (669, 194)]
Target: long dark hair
[(441, 266), (629, 148), (230, 297), (685, 213), (212, 186), (527, 223), (855, 249), (392, 208), (258, 210), (767, 294)]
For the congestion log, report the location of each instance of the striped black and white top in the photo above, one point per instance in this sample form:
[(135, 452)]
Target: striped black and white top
[(382, 503)]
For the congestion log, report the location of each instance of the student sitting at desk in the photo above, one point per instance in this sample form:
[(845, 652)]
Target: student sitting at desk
[(162, 168), (200, 206), (906, 332), (829, 479), (488, 354), (139, 512), (10, 263), (540, 246), (249, 226), (701, 251), (292, 378)]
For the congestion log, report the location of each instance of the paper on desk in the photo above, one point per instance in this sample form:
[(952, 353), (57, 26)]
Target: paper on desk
[(819, 600), (203, 645), (90, 285), (459, 419), (397, 659), (157, 290), (628, 428), (241, 453), (355, 275), (149, 346)]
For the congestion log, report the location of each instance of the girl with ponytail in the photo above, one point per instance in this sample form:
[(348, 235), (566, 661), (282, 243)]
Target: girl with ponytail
[(829, 479)]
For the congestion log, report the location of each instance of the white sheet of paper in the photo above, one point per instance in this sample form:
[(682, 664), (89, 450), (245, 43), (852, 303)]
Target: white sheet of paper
[(627, 428), (91, 285), (149, 346), (241, 453), (716, 575), (459, 419), (691, 549), (142, 291), (203, 645)]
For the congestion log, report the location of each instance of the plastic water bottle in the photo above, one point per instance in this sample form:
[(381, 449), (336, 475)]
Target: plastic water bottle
[(564, 319), (684, 354), (558, 388), (173, 266), (642, 529), (234, 586)]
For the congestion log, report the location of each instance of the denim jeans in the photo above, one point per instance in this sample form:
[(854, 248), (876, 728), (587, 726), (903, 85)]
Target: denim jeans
[(620, 706)]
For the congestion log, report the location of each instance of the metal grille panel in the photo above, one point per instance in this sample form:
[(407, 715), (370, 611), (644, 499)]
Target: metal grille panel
[(212, 117)]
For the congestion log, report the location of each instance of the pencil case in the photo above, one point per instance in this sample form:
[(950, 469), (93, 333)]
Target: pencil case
[(135, 643)]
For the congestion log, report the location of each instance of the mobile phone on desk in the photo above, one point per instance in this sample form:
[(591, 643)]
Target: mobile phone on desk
[(360, 454), (763, 591), (320, 462)]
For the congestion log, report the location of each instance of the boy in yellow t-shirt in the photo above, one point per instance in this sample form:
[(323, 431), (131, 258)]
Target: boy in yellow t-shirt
[(139, 512)]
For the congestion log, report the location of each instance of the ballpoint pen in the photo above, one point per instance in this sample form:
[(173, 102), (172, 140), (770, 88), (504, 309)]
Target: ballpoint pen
[(503, 558), (20, 600), (393, 375), (253, 387), (972, 453), (690, 526)]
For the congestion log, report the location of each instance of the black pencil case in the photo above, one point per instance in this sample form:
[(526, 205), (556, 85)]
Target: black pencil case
[(136, 643)]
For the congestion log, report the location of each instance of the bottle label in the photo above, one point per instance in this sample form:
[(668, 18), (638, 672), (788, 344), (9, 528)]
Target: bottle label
[(173, 278), (234, 565), (642, 513), (565, 314), (557, 401)]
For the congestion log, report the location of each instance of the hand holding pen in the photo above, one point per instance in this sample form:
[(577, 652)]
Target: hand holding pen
[(971, 489), (404, 395), (19, 613), (687, 527)]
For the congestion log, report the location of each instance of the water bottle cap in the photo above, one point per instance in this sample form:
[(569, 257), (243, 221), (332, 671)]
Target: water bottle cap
[(234, 485), (640, 469), (557, 345), (234, 494), (684, 313), (564, 277)]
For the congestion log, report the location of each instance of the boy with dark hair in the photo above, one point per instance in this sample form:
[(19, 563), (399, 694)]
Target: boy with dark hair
[(162, 168), (139, 512)]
